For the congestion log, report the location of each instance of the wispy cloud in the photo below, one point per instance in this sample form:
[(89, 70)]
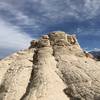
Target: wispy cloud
[(37, 12), (11, 38)]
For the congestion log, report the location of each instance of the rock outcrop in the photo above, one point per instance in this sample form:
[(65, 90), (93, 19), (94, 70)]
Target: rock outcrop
[(53, 68)]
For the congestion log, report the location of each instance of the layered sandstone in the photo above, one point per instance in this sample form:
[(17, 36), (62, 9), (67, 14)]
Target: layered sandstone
[(53, 68)]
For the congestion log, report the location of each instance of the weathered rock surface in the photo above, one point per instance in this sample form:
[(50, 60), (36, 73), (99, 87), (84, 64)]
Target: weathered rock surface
[(53, 68), (15, 72)]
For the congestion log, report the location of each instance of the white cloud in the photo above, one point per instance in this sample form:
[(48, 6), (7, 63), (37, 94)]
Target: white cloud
[(52, 11), (92, 8), (12, 38), (22, 19), (66, 9), (96, 49), (88, 31)]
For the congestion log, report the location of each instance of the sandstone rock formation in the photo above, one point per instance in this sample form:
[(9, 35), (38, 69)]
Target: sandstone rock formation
[(53, 68)]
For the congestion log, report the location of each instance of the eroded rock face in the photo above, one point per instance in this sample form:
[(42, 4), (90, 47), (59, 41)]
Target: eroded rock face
[(55, 38), (53, 68), (15, 72)]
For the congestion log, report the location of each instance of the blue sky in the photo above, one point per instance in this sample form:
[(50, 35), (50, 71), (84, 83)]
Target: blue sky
[(24, 20)]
